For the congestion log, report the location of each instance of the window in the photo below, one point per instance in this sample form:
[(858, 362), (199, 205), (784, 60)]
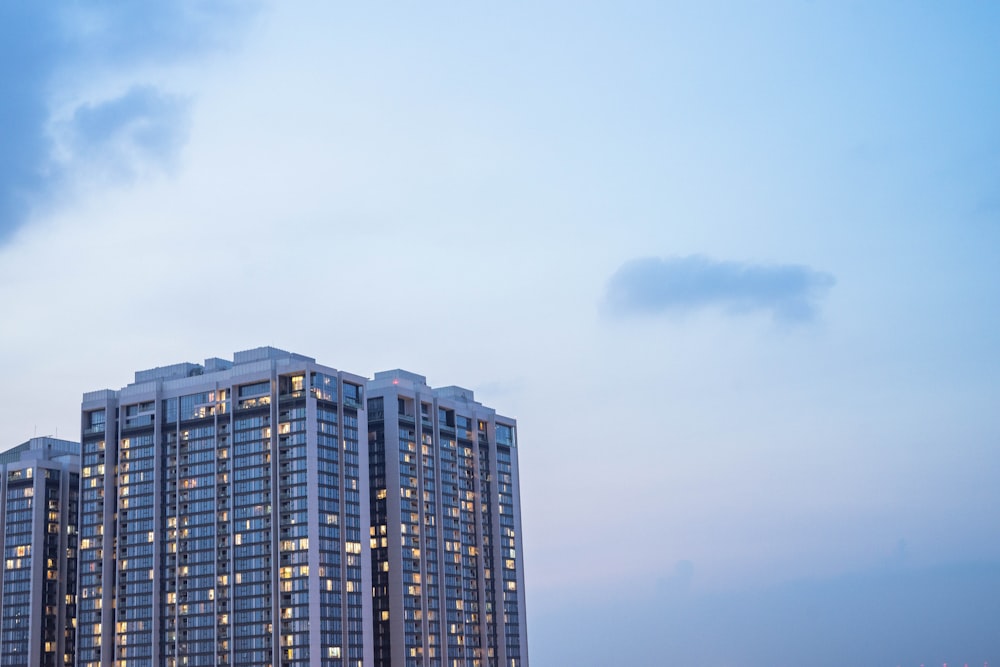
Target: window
[(505, 435), (255, 389), (96, 420), (352, 394), (323, 387)]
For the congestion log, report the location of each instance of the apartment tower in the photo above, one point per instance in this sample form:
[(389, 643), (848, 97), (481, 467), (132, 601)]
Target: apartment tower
[(224, 514), (39, 489), (446, 528)]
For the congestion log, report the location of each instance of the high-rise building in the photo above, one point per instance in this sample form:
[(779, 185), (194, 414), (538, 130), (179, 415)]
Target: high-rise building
[(225, 506), (225, 516), (446, 528), (39, 488)]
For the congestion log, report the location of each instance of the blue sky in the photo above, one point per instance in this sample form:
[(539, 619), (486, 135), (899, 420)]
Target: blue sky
[(732, 267)]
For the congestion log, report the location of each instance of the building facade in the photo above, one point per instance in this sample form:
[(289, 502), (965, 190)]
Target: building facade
[(224, 517), (39, 489), (446, 535)]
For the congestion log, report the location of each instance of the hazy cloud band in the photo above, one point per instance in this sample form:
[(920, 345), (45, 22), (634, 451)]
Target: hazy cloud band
[(652, 285)]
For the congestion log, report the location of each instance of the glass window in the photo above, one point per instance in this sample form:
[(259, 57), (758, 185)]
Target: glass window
[(255, 389), (323, 387)]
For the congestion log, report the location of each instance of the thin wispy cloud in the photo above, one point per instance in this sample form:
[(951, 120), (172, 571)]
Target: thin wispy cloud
[(49, 50), (652, 286), (142, 125)]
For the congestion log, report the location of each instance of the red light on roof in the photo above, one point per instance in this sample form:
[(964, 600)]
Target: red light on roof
[(395, 380)]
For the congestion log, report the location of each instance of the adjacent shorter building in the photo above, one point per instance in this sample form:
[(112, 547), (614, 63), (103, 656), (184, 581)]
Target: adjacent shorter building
[(446, 528), (225, 516), (39, 489)]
